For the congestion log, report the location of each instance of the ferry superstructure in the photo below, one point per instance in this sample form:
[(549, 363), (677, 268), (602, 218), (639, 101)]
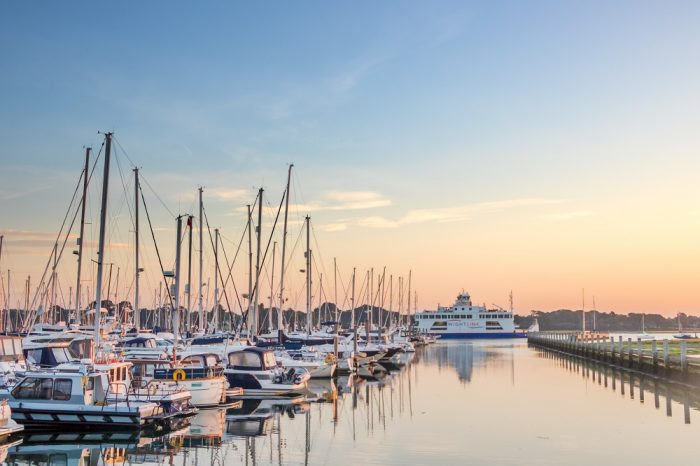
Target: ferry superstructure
[(466, 320)]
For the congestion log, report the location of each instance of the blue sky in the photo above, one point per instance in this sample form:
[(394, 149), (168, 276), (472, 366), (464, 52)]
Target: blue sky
[(499, 112)]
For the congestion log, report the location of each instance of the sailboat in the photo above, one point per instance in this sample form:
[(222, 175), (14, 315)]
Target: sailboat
[(681, 335), (644, 335)]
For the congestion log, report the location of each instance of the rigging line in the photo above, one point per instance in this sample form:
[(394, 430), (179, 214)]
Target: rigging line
[(233, 262), (218, 270), (318, 249), (155, 243), (48, 263), (124, 186), (143, 178)]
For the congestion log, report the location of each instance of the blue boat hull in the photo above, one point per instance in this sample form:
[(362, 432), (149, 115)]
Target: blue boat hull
[(483, 335)]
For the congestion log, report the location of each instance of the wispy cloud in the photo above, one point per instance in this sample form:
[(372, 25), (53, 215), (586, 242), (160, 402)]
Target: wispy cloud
[(464, 212), (337, 201), (7, 195), (451, 214), (569, 215)]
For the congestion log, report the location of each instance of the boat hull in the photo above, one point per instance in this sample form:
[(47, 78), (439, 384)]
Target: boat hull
[(478, 335)]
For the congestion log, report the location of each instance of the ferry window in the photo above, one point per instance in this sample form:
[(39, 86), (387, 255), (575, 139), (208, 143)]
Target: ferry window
[(33, 388), (124, 373), (62, 389)]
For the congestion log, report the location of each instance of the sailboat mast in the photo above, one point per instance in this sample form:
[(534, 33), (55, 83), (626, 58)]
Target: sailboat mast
[(190, 219), (280, 322), (352, 300), (308, 277), (215, 317), (408, 308), (101, 244), (250, 268), (137, 269), (176, 293), (391, 296), (335, 292), (258, 231), (201, 266), (272, 287), (82, 230), (583, 309)]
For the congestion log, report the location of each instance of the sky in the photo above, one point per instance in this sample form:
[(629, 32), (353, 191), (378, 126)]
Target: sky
[(544, 148)]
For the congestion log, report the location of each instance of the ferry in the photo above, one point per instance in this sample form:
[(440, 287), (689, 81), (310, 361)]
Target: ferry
[(466, 320)]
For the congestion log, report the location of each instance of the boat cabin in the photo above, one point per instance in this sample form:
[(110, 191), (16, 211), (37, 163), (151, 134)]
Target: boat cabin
[(252, 359)]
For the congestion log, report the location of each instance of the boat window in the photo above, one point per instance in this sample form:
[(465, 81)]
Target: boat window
[(194, 360), (61, 355), (62, 389), (34, 356), (270, 360), (211, 360), (33, 388), (244, 360)]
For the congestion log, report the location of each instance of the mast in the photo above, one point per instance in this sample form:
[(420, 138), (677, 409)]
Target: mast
[(272, 287), (352, 299), (82, 232), (391, 296), (258, 231), (176, 293), (52, 309), (6, 304), (190, 218), (137, 270), (408, 308), (280, 322), (250, 267), (308, 277), (215, 317), (335, 292), (583, 309), (101, 244), (201, 266)]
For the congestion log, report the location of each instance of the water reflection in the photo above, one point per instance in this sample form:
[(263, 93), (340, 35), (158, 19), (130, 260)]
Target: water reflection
[(634, 385), (453, 403)]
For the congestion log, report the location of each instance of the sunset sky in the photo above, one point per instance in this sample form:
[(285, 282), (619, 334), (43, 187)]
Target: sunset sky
[(540, 147)]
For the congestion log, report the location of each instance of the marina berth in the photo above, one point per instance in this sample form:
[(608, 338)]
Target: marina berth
[(467, 320)]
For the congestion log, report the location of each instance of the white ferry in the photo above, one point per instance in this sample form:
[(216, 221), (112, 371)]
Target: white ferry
[(466, 320)]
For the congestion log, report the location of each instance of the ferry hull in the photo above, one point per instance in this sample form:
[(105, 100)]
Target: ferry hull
[(477, 335)]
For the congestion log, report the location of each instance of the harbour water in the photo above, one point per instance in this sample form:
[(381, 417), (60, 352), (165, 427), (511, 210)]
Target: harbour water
[(457, 402)]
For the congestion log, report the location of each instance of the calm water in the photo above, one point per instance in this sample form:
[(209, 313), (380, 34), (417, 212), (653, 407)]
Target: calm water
[(485, 403)]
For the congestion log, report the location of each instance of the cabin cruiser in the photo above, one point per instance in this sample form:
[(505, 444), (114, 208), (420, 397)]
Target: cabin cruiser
[(255, 370), (78, 399)]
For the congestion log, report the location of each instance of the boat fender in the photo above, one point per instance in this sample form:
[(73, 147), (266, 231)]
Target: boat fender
[(329, 359), (179, 374)]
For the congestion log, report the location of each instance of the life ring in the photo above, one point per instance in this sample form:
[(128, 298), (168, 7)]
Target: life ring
[(329, 359), (179, 374)]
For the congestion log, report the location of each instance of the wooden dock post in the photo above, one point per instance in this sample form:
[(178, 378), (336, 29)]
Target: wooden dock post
[(667, 357), (639, 352), (629, 352), (654, 356), (684, 358)]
